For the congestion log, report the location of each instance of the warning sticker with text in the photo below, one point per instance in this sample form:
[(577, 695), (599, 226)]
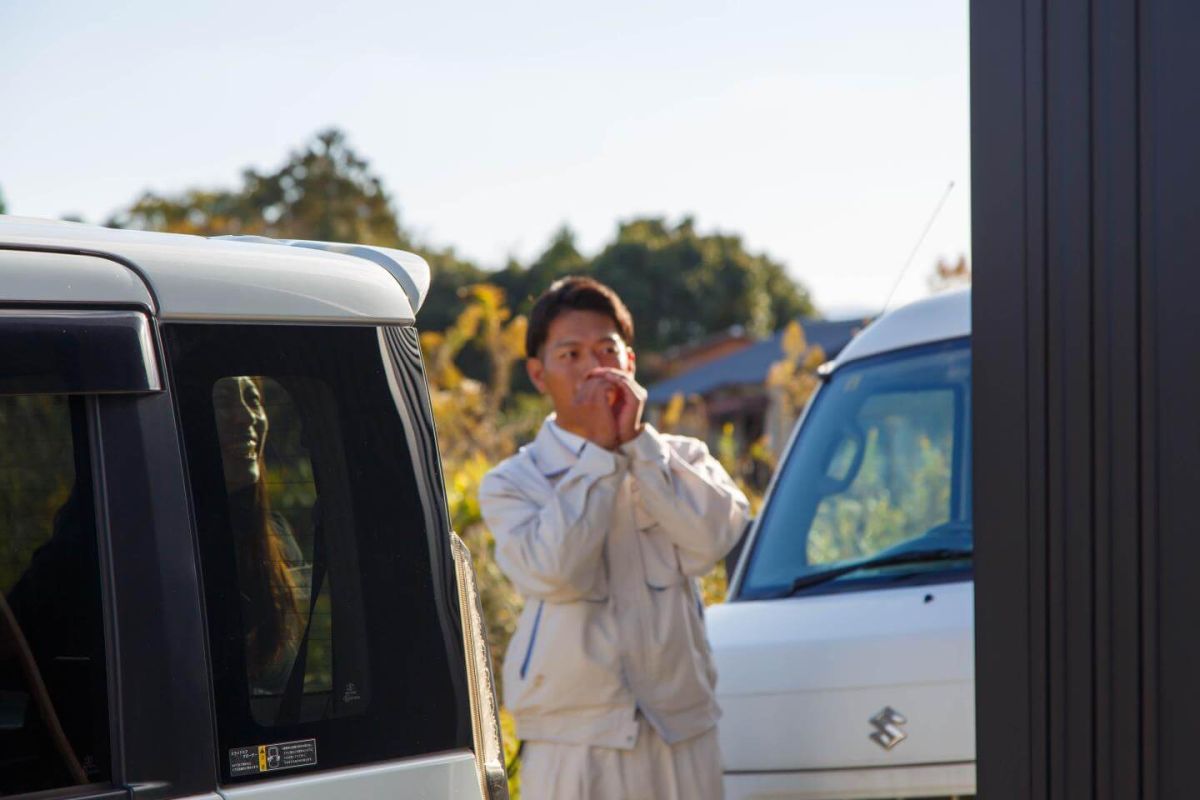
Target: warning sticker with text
[(272, 757)]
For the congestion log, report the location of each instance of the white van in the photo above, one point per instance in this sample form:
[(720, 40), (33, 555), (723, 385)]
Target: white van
[(226, 566), (846, 648)]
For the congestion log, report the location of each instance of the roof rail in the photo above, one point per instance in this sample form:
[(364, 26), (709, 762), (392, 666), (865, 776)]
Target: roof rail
[(409, 269)]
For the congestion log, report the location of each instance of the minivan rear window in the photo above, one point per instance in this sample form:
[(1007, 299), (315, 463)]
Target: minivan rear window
[(329, 611), (282, 568)]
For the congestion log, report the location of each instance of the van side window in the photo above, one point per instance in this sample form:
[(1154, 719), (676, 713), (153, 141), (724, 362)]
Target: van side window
[(53, 687), (326, 610)]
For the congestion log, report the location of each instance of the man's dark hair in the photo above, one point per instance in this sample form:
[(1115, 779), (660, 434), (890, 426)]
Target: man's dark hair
[(574, 293)]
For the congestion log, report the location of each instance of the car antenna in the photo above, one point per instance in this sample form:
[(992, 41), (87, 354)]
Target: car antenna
[(920, 240)]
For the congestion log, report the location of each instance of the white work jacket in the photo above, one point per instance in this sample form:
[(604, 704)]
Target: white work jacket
[(604, 546)]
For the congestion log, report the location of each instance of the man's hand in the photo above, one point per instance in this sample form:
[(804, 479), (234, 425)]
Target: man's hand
[(630, 403), (594, 411)]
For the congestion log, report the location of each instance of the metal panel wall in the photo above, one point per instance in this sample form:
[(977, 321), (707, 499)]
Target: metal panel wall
[(1170, 249), (1085, 132), (1007, 331)]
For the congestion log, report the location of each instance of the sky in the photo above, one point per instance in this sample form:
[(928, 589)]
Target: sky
[(824, 133)]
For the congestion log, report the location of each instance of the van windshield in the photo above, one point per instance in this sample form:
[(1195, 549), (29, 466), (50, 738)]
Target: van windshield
[(880, 468)]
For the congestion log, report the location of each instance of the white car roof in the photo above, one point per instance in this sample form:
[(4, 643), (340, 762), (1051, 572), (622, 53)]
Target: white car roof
[(934, 319), (180, 277)]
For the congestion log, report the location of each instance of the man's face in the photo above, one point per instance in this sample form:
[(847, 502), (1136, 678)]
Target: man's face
[(576, 343)]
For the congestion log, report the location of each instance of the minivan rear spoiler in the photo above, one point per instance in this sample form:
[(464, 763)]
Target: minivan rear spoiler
[(409, 269)]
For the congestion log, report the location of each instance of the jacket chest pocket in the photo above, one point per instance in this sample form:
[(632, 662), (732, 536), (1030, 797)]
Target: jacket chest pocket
[(660, 559)]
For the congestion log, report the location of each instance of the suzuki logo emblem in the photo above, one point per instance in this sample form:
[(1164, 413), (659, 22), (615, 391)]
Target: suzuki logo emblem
[(888, 732)]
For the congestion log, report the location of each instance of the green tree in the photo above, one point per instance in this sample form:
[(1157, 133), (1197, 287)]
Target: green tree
[(560, 258), (324, 191), (451, 278), (477, 427), (680, 284), (3, 208)]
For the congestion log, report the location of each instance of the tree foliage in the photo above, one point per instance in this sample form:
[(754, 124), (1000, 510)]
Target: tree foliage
[(560, 258), (478, 426), (680, 285), (324, 191), (451, 278), (950, 274), (678, 282), (793, 379)]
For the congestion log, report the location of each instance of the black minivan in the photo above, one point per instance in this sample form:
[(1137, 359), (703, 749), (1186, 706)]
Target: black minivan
[(226, 565)]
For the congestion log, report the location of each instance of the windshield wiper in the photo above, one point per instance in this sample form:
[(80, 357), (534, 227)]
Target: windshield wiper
[(886, 560)]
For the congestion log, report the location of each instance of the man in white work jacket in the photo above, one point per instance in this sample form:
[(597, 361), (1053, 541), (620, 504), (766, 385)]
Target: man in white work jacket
[(603, 524)]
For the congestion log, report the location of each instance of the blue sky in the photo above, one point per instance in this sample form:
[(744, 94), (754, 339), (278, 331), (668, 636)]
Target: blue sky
[(823, 132)]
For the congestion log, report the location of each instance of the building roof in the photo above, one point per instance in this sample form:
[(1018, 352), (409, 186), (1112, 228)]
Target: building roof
[(750, 365), (178, 277)]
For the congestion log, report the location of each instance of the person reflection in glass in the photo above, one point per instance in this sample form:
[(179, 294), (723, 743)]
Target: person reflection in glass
[(267, 553)]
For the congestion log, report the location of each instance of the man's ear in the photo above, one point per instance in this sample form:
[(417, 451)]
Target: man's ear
[(534, 368), (632, 356)]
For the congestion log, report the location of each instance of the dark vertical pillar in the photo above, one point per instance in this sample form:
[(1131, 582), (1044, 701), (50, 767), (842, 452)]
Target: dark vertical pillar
[(1007, 225), (1086, 218), (1170, 252), (1116, 420), (1069, 401)]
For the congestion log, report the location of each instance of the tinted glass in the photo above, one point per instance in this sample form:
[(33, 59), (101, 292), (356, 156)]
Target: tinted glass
[(881, 465), (53, 691), (272, 498), (328, 609)]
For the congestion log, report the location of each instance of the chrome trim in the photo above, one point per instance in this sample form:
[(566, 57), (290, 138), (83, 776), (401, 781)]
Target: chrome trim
[(485, 715), (889, 728)]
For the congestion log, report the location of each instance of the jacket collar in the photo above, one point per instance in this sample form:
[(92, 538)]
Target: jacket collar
[(553, 450)]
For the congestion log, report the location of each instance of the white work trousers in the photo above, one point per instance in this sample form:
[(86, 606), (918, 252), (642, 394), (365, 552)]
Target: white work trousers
[(652, 770)]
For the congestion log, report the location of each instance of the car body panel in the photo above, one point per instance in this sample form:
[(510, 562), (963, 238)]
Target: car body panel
[(39, 277), (934, 319), (444, 777), (194, 278), (924, 781), (801, 678), (61, 283)]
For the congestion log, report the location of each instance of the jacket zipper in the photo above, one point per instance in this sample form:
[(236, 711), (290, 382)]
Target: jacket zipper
[(537, 619)]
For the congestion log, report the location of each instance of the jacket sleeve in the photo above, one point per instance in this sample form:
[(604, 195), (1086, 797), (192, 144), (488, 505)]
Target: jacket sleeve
[(690, 495), (554, 551)]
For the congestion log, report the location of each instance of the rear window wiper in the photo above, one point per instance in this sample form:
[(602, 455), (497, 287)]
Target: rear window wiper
[(886, 560)]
